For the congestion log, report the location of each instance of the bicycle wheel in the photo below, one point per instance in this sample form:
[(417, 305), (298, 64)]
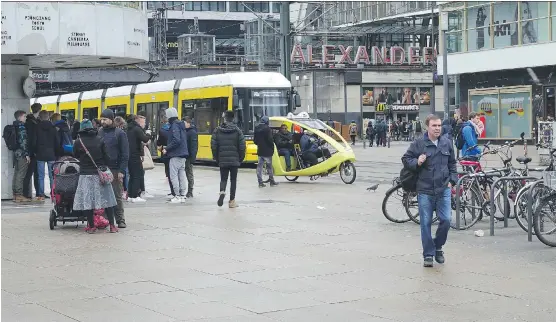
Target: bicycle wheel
[(412, 209), (471, 209), (393, 204), (545, 220), (520, 207)]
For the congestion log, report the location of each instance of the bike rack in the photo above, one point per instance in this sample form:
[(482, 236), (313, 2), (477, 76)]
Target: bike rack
[(530, 210), (458, 190), (504, 180)]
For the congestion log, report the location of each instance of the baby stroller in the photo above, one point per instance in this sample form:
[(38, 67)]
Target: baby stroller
[(66, 178)]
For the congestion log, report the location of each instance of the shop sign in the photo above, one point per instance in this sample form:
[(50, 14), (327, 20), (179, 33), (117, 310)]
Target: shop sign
[(40, 77), (405, 108), (351, 56), (381, 107)]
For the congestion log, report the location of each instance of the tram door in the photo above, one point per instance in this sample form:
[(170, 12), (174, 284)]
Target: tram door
[(154, 114)]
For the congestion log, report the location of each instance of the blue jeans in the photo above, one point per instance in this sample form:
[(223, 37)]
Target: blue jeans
[(287, 153), (427, 204), (40, 165)]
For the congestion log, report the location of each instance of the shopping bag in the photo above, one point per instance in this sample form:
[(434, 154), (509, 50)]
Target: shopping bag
[(148, 163)]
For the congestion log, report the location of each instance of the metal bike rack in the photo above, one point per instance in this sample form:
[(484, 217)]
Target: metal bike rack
[(504, 180), (530, 210), (489, 174)]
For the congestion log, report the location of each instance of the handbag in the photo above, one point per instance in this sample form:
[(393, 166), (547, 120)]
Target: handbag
[(99, 220), (148, 163), (104, 174)]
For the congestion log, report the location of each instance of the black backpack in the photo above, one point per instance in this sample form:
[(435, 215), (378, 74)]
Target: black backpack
[(408, 177), (10, 137), (460, 141)]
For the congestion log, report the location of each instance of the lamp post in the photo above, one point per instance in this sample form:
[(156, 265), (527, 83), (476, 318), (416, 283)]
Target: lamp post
[(445, 80)]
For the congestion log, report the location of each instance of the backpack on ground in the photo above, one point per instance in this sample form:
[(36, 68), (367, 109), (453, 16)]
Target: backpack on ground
[(10, 137), (418, 127), (460, 140)]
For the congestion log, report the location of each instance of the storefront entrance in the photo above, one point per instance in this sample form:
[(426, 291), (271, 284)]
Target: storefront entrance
[(550, 102)]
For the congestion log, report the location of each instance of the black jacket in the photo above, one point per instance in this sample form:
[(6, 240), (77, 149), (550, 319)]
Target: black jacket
[(96, 148), (192, 143), (75, 130), (136, 137), (263, 140), (63, 128), (31, 125), (117, 147), (228, 145), (438, 170), (48, 146), (283, 140)]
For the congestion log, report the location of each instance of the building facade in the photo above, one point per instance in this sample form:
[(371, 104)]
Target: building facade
[(503, 54)]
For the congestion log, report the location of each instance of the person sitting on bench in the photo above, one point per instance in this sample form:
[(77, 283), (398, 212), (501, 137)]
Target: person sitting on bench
[(284, 142)]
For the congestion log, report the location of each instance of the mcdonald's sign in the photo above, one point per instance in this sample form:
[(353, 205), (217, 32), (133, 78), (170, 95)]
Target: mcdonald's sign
[(381, 107)]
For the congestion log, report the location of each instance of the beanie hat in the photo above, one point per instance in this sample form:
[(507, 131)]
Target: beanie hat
[(85, 124), (171, 112), (107, 113), (265, 119)]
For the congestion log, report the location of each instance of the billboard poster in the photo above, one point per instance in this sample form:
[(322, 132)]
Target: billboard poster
[(515, 114), (478, 21), (487, 106), (368, 98), (76, 37)]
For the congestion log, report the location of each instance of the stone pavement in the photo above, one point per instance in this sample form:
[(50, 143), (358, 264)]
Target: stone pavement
[(306, 251)]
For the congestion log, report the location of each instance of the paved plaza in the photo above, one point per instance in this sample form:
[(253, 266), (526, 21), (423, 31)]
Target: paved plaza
[(306, 251)]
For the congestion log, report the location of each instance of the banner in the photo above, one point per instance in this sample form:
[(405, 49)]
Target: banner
[(487, 106), (515, 114)]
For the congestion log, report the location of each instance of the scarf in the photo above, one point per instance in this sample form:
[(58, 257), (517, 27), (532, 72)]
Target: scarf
[(479, 128)]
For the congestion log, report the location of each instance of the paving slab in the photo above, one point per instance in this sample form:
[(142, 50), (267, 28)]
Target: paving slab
[(305, 251)]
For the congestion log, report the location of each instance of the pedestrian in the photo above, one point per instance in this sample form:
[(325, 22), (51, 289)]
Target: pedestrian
[(228, 149), (48, 149), (284, 143), (117, 149), (265, 151), (177, 152), (370, 133), (120, 123), (192, 147), (91, 194), (31, 126), (21, 158), (432, 159), (64, 135), (470, 132), (418, 129), (353, 131), (75, 130), (161, 143), (136, 136)]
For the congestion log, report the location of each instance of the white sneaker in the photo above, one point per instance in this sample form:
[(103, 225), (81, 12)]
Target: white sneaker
[(169, 197), (138, 199), (183, 199), (146, 195), (176, 200)]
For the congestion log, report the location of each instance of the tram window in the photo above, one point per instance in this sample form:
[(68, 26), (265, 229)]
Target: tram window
[(219, 106), (90, 113), (69, 115), (203, 116), (188, 109), (119, 110)]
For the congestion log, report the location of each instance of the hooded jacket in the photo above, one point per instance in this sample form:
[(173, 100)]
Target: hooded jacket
[(31, 125), (63, 130), (136, 137), (177, 140), (48, 146), (192, 143), (283, 140), (263, 140), (117, 147), (228, 145), (470, 138), (96, 147)]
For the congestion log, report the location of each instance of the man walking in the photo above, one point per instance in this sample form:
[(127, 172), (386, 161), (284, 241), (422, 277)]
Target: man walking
[(177, 151), (48, 149), (432, 160), (117, 148), (161, 143), (31, 124), (21, 157), (265, 151), (228, 149), (192, 147)]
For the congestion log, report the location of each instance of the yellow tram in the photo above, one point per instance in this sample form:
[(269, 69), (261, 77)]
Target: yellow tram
[(250, 94)]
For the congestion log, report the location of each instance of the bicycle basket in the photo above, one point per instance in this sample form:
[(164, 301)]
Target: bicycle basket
[(66, 183), (550, 179)]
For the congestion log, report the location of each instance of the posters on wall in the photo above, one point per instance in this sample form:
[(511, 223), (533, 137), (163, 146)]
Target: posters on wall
[(515, 116), (396, 96), (487, 106)]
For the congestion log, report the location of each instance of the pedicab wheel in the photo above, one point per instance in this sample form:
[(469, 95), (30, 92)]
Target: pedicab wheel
[(348, 172), (52, 219), (292, 179)]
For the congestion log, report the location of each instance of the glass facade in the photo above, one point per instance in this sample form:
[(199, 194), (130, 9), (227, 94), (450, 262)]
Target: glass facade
[(240, 6), (486, 25), (217, 6)]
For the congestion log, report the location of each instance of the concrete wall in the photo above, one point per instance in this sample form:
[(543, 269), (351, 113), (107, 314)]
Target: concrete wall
[(13, 99)]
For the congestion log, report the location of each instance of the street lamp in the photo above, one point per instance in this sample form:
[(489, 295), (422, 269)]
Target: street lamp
[(443, 28)]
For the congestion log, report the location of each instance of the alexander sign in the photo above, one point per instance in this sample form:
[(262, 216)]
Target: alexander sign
[(379, 55)]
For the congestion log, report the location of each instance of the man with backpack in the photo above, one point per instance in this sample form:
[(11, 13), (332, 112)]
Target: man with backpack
[(15, 136), (467, 138), (353, 131), (432, 164), (117, 148), (31, 124)]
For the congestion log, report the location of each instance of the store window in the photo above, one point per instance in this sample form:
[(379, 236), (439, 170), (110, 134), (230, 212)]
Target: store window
[(455, 41), (478, 33), (504, 24), (276, 6), (534, 22)]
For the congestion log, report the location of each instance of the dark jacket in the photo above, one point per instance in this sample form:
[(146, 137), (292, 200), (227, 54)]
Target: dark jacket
[(96, 148), (117, 147), (263, 140), (136, 137), (228, 145), (192, 142), (438, 170), (283, 140), (63, 129), (48, 146), (177, 140), (308, 144), (22, 139), (163, 135), (447, 129), (75, 130), (31, 125)]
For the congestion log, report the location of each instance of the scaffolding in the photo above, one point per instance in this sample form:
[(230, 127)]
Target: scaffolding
[(262, 42), (196, 48)]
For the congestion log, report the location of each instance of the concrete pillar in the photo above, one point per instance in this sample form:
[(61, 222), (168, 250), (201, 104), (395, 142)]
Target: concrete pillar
[(13, 99)]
